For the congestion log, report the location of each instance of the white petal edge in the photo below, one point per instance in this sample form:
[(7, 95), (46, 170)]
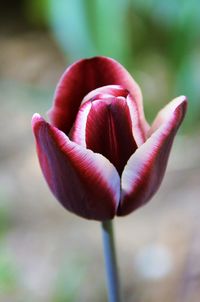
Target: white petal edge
[(100, 163), (133, 171), (164, 113), (78, 131), (137, 130)]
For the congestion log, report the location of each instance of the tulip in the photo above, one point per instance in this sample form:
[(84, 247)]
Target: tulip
[(98, 154)]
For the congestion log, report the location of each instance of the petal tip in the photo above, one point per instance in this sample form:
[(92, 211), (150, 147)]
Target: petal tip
[(180, 100), (37, 121), (36, 117), (180, 105)]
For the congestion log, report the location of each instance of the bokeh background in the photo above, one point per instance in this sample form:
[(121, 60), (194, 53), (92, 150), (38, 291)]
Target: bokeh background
[(46, 253)]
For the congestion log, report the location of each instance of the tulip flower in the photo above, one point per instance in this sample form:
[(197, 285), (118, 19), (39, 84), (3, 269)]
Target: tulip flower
[(98, 154)]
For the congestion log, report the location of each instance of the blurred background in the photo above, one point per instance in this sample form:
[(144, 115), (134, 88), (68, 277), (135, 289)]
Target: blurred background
[(46, 253)]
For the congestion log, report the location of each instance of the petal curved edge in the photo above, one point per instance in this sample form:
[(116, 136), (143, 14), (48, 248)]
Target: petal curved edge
[(139, 133), (78, 132), (81, 78), (84, 182), (145, 169)]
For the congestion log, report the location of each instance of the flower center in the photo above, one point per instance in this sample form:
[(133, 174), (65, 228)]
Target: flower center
[(104, 121)]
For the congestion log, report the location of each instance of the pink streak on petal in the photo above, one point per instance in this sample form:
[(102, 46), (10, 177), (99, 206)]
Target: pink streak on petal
[(138, 131), (78, 131), (145, 169), (85, 183), (81, 78)]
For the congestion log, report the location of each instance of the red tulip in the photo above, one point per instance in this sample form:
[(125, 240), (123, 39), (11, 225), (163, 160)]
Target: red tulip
[(99, 156)]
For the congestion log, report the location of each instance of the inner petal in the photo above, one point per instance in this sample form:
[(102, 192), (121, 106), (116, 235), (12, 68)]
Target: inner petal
[(105, 91), (109, 130)]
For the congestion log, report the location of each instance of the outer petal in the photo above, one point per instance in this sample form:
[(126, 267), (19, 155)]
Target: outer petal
[(81, 78), (84, 182), (145, 169)]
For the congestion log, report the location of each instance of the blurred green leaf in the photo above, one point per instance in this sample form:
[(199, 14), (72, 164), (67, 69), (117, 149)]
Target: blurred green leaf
[(68, 281), (8, 273), (89, 28), (68, 22), (4, 221), (4, 214), (36, 11), (109, 28), (187, 83)]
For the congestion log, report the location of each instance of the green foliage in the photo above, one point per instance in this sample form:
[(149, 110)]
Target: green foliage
[(4, 214), (176, 26), (89, 28), (69, 24), (36, 11), (108, 28), (8, 273), (188, 81), (4, 221), (68, 281)]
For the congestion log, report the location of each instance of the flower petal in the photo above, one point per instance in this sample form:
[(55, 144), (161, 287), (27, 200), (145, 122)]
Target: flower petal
[(137, 125), (78, 131), (108, 94), (85, 183), (145, 169), (109, 131), (81, 78), (105, 93)]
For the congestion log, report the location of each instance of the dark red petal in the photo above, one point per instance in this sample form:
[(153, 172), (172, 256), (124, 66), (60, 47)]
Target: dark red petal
[(81, 78), (146, 167), (109, 131), (85, 183), (78, 131)]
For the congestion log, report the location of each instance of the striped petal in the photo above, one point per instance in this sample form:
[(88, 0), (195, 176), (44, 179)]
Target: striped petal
[(81, 78), (109, 131), (105, 93), (110, 91), (145, 169), (106, 123), (84, 182)]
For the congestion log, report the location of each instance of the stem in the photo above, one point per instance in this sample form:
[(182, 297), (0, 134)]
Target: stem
[(110, 262)]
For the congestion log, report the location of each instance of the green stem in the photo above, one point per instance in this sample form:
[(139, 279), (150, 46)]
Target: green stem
[(110, 262)]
